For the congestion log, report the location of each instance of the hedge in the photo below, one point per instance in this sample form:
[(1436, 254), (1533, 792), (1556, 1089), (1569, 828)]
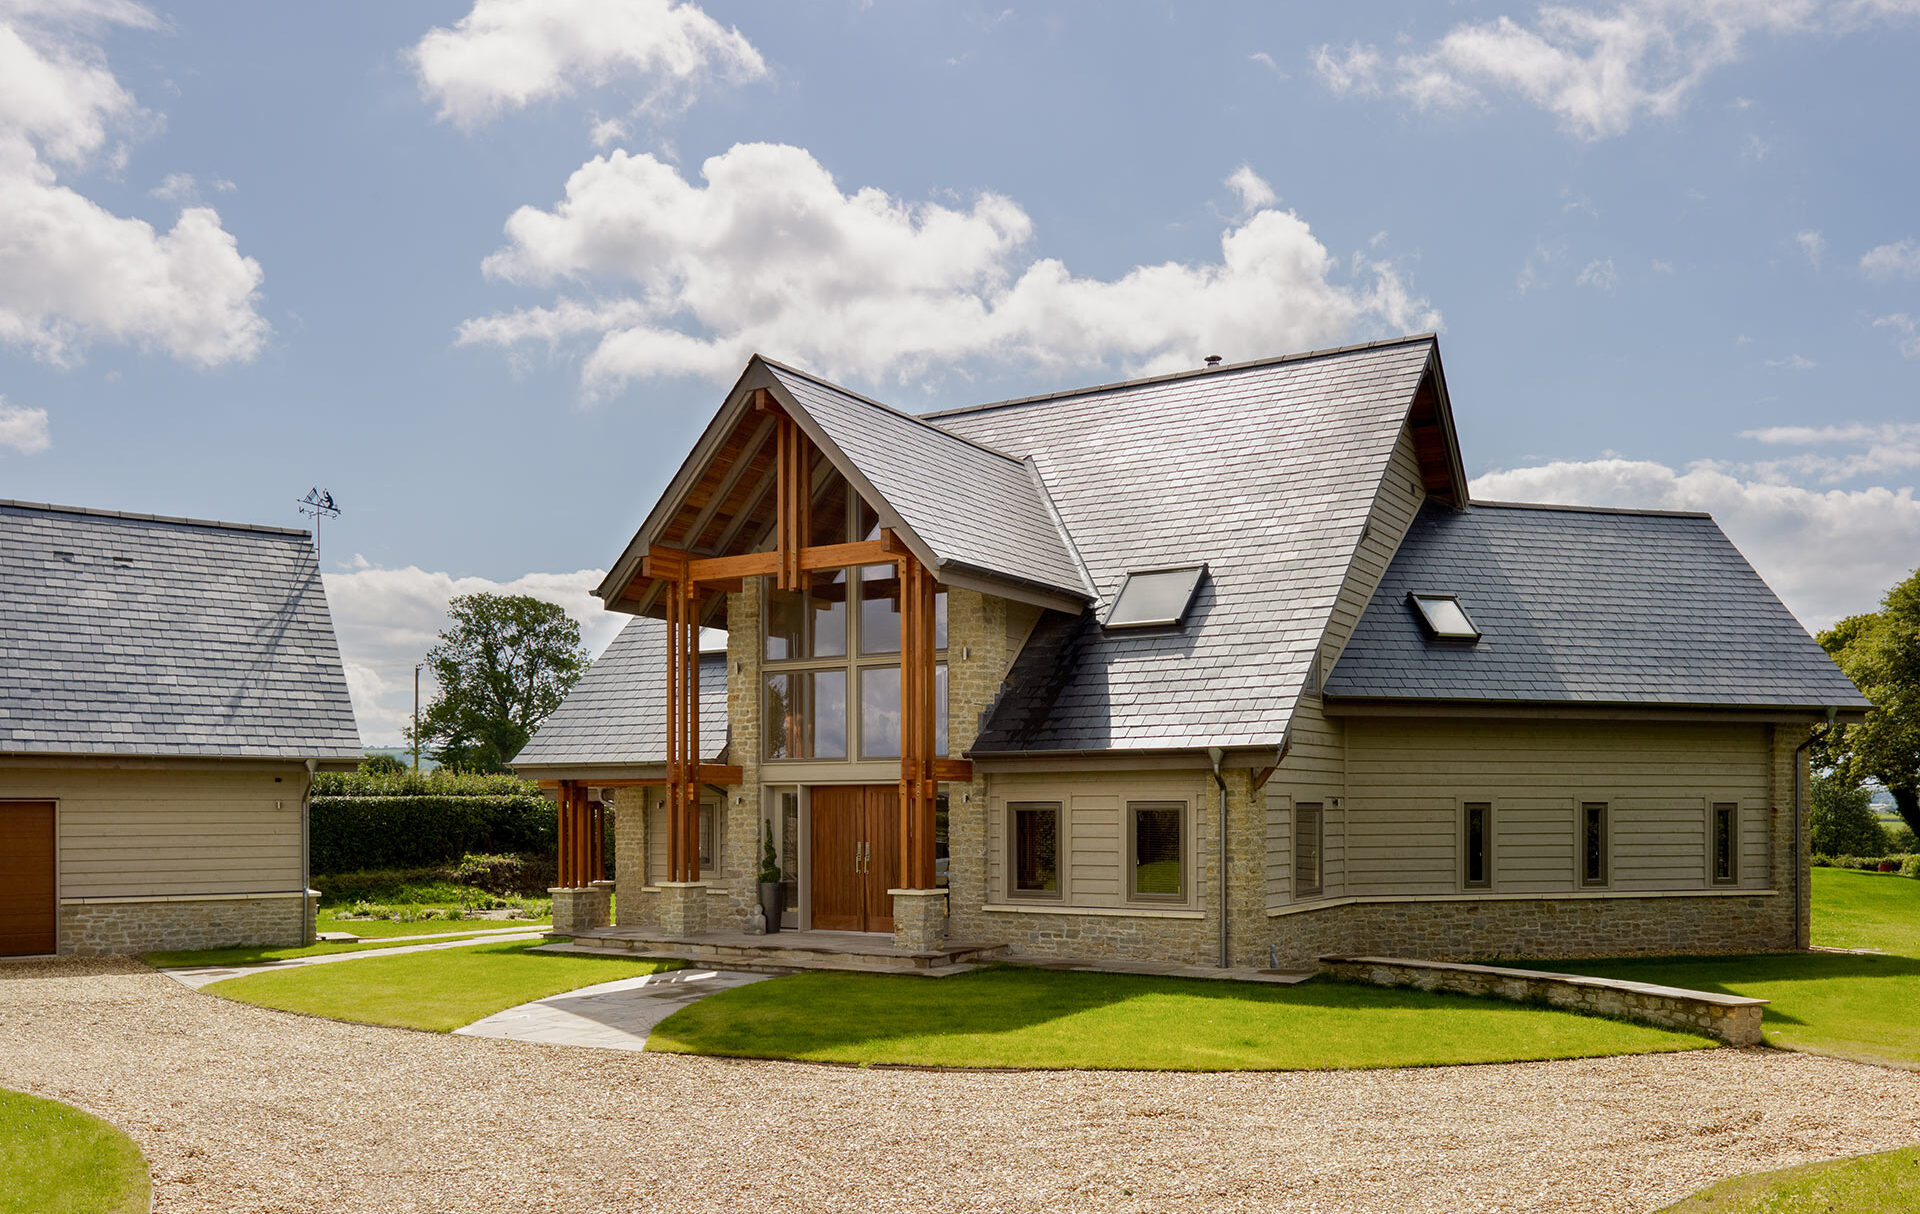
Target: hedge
[(441, 783), (1905, 865), (352, 833)]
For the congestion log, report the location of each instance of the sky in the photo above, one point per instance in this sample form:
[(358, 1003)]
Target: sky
[(483, 269)]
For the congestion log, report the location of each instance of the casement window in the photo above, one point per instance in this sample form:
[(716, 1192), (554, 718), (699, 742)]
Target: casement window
[(1593, 843), (1156, 851), (832, 651), (1033, 833), (1476, 845), (1309, 835), (1723, 841)]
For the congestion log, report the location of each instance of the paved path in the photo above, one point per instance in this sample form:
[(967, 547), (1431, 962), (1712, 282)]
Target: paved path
[(611, 1016), (244, 1109), (197, 976)]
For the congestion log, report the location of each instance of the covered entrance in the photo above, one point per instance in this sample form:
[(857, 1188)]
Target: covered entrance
[(855, 856), (29, 912)]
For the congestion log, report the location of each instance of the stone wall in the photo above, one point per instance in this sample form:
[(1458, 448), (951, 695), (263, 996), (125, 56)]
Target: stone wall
[(1730, 1018), (90, 928)]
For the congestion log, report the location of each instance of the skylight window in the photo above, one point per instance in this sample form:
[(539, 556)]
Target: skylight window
[(1445, 619), (1152, 597)]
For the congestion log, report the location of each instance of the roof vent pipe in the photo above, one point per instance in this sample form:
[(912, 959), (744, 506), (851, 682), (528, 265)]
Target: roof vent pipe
[(1213, 360)]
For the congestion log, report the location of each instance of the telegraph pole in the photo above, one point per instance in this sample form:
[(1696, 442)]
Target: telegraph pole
[(416, 717)]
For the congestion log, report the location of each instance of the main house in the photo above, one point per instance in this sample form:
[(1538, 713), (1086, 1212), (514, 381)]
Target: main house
[(1216, 667), (167, 688)]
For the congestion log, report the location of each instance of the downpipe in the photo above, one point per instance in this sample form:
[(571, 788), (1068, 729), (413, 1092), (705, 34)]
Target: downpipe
[(1215, 754), (306, 850), (1800, 858)]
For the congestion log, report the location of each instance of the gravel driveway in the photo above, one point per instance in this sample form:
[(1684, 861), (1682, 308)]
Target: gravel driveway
[(240, 1108)]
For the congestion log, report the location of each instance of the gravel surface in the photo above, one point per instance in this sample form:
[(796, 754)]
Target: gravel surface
[(242, 1108)]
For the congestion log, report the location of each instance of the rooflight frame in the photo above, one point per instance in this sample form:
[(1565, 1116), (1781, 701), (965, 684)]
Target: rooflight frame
[(1197, 568), (1418, 600)]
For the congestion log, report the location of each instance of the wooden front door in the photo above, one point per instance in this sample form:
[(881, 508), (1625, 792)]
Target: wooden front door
[(28, 910), (855, 856)]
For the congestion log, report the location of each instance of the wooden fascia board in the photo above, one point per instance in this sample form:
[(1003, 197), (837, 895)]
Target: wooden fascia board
[(1335, 706), (1443, 406), (968, 578)]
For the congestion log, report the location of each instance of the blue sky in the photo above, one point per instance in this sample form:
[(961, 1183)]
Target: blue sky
[(484, 270)]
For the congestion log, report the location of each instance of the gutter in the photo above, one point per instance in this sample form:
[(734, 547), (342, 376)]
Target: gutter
[(1801, 938)]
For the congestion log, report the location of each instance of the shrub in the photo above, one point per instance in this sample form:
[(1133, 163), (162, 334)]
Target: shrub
[(440, 783), (1842, 820), (503, 875)]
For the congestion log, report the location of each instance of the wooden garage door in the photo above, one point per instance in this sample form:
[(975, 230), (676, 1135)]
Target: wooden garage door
[(27, 906)]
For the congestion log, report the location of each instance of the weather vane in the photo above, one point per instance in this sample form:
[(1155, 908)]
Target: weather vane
[(318, 503)]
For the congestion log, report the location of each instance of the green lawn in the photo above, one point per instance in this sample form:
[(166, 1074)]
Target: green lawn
[(440, 990), (257, 956), (1888, 1183), (54, 1159), (374, 928), (1012, 1017), (1861, 1007)]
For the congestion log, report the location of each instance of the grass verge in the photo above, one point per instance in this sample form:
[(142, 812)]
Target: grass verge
[(55, 1159), (439, 991), (1888, 1183), (259, 956), (1011, 1017)]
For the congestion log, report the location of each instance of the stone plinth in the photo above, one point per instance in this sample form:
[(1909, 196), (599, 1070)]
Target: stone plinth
[(581, 909), (683, 907), (919, 919)]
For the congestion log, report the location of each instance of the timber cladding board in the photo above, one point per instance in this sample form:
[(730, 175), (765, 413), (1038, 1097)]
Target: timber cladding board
[(29, 913)]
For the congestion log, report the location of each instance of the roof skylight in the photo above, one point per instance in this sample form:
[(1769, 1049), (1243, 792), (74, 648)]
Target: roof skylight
[(1444, 618), (1152, 597)]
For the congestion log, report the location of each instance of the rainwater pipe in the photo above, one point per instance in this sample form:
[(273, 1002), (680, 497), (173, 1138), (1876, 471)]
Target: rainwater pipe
[(1215, 754), (1800, 939), (306, 851)]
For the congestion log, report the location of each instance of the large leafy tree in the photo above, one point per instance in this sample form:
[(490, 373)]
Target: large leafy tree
[(1880, 652), (502, 668)]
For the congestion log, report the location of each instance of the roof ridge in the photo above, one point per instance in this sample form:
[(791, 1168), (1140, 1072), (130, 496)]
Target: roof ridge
[(918, 419), (1476, 503), (1271, 360), (153, 518)]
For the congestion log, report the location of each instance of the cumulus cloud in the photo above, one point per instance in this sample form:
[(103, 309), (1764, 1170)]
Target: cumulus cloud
[(1882, 448), (1826, 553), (1599, 274), (1900, 259), (22, 429), (668, 276), (1792, 362), (508, 54), (1251, 189), (1597, 69), (1906, 333), (1812, 245), (71, 272)]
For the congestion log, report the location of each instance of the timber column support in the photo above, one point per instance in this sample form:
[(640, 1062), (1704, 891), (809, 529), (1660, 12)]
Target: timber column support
[(919, 906)]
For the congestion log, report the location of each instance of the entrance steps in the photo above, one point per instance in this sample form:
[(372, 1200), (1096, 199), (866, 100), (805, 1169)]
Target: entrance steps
[(789, 951)]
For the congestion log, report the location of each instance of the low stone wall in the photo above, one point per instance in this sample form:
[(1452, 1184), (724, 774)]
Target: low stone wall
[(91, 928), (1731, 1018), (1092, 936)]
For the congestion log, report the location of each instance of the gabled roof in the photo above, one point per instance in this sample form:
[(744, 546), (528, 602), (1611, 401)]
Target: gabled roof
[(617, 713), (1266, 472), (139, 635), (1583, 606)]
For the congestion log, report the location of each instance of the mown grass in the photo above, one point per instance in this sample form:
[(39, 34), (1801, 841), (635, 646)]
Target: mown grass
[(1012, 1017), (55, 1159), (260, 956), (439, 991), (1887, 1183)]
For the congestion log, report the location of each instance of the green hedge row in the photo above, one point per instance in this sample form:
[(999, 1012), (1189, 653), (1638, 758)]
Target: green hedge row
[(353, 833), (1905, 865), (441, 783)]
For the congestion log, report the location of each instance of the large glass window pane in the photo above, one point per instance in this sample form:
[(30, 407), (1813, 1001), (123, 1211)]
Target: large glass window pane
[(786, 624), (827, 519), (1036, 849), (1725, 871), (1154, 597), (880, 712), (1157, 853), (827, 614), (829, 733), (806, 714), (1306, 849), (880, 609)]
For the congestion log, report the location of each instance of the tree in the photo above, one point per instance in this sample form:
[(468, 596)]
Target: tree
[(1880, 652), (382, 765), (1841, 820), (502, 668)]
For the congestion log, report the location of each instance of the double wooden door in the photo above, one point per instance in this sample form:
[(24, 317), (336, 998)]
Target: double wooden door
[(28, 910), (855, 856)]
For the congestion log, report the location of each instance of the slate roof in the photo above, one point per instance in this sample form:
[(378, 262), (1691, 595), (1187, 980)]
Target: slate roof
[(617, 713), (1578, 605), (128, 634), (975, 507), (1266, 472)]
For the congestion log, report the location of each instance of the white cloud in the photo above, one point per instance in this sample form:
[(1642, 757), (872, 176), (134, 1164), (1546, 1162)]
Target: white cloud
[(683, 278), (1898, 260), (22, 429), (1907, 339), (1662, 267), (1827, 553), (1884, 447), (1812, 244), (1792, 362), (607, 132), (1597, 69), (1252, 189), (1534, 270), (507, 54), (72, 273), (1598, 273), (1265, 60), (175, 187)]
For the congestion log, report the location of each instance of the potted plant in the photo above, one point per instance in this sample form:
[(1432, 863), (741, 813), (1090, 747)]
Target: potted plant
[(771, 903)]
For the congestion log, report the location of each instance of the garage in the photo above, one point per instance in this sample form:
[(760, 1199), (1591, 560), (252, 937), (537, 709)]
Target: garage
[(28, 906)]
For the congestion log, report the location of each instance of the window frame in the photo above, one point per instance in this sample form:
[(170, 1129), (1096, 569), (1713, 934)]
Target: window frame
[(1580, 808), (1733, 842), (1319, 886), (1486, 882), (1197, 568), (1185, 809), (1416, 600), (1013, 891)]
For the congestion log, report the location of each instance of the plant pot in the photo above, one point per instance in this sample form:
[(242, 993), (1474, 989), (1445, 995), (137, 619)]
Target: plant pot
[(771, 904)]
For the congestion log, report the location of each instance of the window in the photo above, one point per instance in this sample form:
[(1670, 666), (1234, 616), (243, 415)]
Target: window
[(1156, 860), (1308, 834), (1152, 597), (1035, 831), (1724, 835), (790, 849), (806, 714), (1593, 843), (1477, 850), (1444, 618), (706, 837), (942, 852), (880, 711)]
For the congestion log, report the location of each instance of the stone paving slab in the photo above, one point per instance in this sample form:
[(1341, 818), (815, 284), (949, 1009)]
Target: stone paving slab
[(197, 976), (614, 1015)]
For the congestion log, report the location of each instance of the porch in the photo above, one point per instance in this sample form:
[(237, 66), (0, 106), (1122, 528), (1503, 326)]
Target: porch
[(786, 951)]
